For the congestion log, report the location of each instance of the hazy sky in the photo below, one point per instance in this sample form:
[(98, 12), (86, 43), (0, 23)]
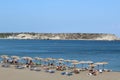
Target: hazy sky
[(60, 16)]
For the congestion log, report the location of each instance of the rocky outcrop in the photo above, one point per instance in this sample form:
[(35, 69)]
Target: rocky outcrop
[(64, 36)]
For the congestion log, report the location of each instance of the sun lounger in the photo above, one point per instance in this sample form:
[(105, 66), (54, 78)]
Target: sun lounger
[(35, 69), (20, 67), (63, 73), (5, 65), (67, 73), (51, 71)]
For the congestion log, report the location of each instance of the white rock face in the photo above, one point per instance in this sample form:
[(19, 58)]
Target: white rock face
[(72, 36), (21, 36), (107, 37), (55, 38)]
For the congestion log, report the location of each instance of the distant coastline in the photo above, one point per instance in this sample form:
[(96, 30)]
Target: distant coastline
[(59, 36)]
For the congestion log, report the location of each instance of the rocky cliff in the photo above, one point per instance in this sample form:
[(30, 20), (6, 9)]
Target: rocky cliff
[(63, 36)]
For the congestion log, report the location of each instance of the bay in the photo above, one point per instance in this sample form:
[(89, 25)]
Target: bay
[(96, 51)]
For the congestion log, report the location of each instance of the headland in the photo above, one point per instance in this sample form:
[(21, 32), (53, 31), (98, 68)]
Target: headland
[(60, 36)]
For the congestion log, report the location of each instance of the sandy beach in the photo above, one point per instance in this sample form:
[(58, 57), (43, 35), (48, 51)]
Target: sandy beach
[(27, 74)]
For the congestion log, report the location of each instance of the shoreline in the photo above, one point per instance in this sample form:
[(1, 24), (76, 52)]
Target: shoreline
[(60, 39)]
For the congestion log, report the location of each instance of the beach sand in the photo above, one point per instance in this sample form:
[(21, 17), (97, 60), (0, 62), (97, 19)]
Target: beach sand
[(27, 74)]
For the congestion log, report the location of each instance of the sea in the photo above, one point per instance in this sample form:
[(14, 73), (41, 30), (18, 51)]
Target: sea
[(82, 50)]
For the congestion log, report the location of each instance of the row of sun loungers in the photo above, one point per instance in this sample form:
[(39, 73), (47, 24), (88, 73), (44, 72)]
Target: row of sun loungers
[(51, 70)]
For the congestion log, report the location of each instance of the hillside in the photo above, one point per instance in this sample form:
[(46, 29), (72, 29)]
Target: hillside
[(59, 36)]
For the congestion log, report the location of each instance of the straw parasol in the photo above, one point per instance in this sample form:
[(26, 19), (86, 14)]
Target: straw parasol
[(27, 59), (75, 63), (36, 58), (104, 63), (60, 59), (15, 57), (60, 62), (98, 64), (48, 59), (101, 63), (67, 61), (92, 66), (4, 57), (39, 60), (82, 62), (89, 62), (53, 59), (24, 58)]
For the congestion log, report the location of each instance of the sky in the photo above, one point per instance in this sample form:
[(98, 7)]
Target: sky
[(60, 16)]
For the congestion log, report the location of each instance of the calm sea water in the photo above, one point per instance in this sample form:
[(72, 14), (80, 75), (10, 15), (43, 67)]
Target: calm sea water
[(96, 51)]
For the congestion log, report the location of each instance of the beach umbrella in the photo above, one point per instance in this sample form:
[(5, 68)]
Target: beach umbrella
[(27, 59), (36, 58), (92, 66), (82, 62), (67, 61), (24, 58), (98, 64), (104, 63), (45, 60), (89, 62), (60, 62), (60, 59), (53, 61), (85, 62), (101, 63), (39, 60), (4, 57), (15, 57), (49, 59), (74, 61)]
